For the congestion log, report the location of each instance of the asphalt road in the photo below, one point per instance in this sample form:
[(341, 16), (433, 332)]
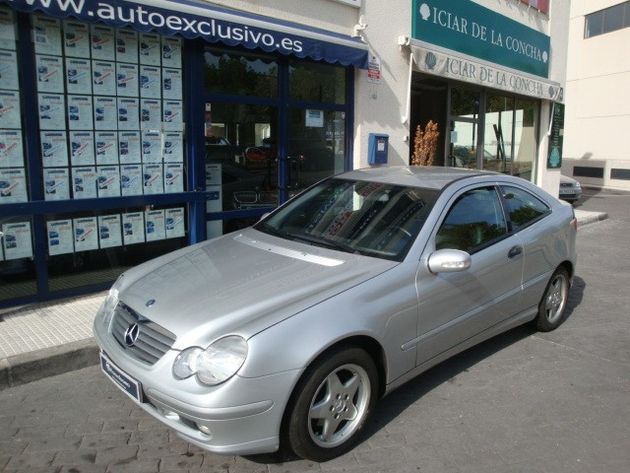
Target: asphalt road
[(521, 402)]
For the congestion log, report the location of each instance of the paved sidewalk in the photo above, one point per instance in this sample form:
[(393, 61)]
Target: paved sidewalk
[(41, 340)]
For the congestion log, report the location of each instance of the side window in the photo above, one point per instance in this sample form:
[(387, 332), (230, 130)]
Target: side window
[(523, 207), (475, 219)]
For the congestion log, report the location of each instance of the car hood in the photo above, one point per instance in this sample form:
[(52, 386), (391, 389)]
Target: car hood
[(240, 283)]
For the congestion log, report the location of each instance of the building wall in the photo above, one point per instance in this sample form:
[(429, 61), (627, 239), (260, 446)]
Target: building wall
[(598, 99)]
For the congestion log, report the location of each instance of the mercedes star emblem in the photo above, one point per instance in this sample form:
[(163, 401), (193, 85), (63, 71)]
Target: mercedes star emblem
[(131, 335)]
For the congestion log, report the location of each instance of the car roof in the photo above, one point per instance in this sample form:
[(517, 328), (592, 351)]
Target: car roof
[(430, 177)]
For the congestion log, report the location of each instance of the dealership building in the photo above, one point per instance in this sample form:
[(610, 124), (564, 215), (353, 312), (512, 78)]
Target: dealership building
[(129, 129)]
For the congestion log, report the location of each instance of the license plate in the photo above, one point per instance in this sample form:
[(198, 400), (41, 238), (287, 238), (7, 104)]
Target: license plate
[(121, 379)]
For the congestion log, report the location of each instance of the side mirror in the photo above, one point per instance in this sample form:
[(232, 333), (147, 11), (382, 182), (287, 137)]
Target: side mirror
[(449, 261)]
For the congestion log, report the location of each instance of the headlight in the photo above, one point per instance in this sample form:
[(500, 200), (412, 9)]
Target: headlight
[(214, 365), (109, 304), (578, 185)]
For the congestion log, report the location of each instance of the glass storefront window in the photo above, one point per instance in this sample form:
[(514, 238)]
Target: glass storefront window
[(464, 103), (17, 265), (95, 248), (312, 82), (316, 146), (497, 154), (525, 141), (240, 74), (241, 156)]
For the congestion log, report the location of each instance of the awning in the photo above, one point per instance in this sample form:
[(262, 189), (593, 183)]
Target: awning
[(194, 19), (431, 59)]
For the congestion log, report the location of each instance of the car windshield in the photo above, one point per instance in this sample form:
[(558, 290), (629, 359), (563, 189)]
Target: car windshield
[(369, 218)]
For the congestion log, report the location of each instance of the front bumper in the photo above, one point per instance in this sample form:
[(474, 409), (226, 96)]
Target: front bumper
[(239, 417)]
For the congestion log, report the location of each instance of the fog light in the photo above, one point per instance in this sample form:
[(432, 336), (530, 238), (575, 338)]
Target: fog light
[(204, 429)]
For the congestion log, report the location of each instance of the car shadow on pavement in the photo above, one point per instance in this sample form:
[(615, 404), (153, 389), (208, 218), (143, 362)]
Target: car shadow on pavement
[(398, 401)]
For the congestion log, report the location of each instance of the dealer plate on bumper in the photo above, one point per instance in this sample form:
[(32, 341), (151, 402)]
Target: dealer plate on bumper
[(121, 379)]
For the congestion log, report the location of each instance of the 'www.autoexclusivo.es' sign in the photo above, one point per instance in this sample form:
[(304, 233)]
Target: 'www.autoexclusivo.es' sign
[(471, 29)]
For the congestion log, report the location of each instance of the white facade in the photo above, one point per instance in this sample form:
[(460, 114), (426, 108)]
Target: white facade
[(598, 101)]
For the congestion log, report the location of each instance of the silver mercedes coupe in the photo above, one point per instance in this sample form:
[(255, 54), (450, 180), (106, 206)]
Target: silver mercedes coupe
[(284, 335)]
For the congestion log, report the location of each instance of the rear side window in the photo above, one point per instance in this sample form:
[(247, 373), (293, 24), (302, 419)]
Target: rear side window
[(475, 219), (523, 207)]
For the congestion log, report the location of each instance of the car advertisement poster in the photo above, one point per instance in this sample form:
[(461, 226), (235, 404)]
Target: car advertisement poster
[(155, 225), (105, 115), (173, 115), (12, 186), (85, 234), (129, 147), (7, 28), (103, 42), (133, 228), (104, 78), (172, 84), (49, 74), (54, 148), (78, 76), (109, 231), (151, 114), (152, 177), (82, 148), (128, 114), (173, 177), (173, 148), (126, 80), (60, 239), (46, 35), (10, 109), (106, 147), (150, 49), (18, 242), (131, 181), (126, 46), (150, 85), (171, 52), (108, 181), (11, 149), (80, 111), (52, 111), (84, 182), (175, 225), (8, 71), (76, 39), (151, 147), (56, 185)]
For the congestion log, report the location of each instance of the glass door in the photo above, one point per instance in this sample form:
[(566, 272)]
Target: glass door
[(241, 163), (464, 139)]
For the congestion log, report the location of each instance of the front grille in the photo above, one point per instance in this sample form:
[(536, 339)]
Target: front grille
[(153, 340), (566, 184)]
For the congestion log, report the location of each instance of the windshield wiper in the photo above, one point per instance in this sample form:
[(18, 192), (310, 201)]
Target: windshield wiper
[(266, 228)]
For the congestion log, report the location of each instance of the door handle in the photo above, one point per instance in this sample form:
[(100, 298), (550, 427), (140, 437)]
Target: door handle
[(515, 251)]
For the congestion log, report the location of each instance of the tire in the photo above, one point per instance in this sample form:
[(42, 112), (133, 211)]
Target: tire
[(552, 307), (331, 404)]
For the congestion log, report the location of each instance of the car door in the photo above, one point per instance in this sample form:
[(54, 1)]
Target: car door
[(454, 306)]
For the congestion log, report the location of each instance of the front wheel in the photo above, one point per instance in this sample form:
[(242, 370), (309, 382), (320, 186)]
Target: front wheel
[(551, 309), (331, 405)]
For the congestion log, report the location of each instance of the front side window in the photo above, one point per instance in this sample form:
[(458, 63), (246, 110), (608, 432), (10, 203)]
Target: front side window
[(523, 207), (475, 220), (369, 218)]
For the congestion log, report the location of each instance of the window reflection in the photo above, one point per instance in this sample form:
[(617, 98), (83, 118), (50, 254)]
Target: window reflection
[(240, 74), (311, 82)]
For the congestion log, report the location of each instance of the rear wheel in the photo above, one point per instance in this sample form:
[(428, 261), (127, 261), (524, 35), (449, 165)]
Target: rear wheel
[(332, 403), (552, 307)]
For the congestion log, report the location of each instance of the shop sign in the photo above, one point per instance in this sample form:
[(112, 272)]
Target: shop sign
[(431, 61), (556, 138), (469, 28), (196, 20)]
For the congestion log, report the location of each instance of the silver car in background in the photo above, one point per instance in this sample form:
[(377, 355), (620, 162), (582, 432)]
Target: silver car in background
[(284, 335)]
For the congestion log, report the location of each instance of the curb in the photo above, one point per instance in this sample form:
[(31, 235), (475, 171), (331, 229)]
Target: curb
[(587, 218), (31, 366)]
